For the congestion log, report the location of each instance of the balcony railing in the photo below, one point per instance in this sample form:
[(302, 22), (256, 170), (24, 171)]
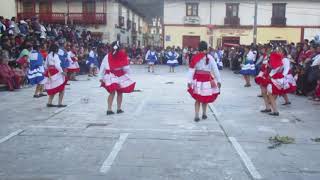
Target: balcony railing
[(232, 21), (278, 21), (75, 18)]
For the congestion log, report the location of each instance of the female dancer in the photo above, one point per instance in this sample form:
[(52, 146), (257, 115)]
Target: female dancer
[(288, 77), (55, 78), (151, 58), (36, 70), (114, 77), (262, 80), (248, 67), (202, 85), (172, 59), (73, 61), (277, 82), (93, 62)]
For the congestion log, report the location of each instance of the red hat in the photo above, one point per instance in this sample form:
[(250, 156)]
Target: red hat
[(275, 60)]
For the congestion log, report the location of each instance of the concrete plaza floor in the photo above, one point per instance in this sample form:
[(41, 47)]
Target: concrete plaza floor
[(156, 138)]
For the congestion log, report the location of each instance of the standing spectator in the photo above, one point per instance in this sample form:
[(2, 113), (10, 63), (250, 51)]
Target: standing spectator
[(23, 28)]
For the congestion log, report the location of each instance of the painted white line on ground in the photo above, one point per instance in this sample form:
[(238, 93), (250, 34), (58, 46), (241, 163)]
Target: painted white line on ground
[(245, 159), (215, 112), (132, 129), (4, 139), (112, 156), (141, 106), (163, 130)]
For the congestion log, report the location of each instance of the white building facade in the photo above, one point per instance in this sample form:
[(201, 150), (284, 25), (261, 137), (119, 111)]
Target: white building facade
[(219, 21)]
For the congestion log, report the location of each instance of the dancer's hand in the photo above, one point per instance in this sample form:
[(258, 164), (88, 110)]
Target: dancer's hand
[(189, 85), (219, 85)]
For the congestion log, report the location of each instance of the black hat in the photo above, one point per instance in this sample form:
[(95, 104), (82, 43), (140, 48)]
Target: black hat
[(203, 46)]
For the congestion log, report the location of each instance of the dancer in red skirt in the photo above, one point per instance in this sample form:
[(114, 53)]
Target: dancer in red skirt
[(288, 77), (202, 85), (74, 67), (277, 83), (263, 80), (114, 76), (55, 78)]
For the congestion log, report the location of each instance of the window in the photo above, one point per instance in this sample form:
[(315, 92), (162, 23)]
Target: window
[(192, 9), (44, 7), (278, 14), (279, 10), (89, 7), (232, 10), (28, 6)]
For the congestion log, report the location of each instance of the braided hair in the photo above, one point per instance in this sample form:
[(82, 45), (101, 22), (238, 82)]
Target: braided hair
[(203, 46)]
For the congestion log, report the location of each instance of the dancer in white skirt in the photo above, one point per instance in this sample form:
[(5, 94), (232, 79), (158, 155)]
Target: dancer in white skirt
[(55, 78), (204, 80), (114, 77)]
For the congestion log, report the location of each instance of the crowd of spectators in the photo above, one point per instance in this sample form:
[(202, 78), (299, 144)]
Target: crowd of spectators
[(18, 37), (304, 58)]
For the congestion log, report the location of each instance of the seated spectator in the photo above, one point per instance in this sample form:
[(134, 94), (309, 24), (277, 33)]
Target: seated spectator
[(9, 76)]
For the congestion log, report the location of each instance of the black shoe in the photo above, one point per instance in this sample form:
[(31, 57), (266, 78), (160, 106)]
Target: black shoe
[(110, 113), (204, 117), (287, 103), (196, 119), (260, 96), (120, 111), (42, 95), (266, 111), (51, 105), (274, 114), (36, 96), (61, 106)]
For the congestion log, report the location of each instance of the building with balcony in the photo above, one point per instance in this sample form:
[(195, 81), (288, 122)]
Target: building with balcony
[(155, 32), (186, 22), (110, 19)]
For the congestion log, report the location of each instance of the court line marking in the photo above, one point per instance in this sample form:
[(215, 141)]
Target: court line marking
[(245, 159), (130, 129), (141, 106), (236, 145), (106, 166), (13, 134)]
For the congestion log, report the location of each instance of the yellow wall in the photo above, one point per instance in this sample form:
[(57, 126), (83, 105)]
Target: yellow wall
[(246, 35), (176, 34), (265, 34)]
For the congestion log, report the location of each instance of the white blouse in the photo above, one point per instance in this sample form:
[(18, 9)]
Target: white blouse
[(286, 66), (105, 66), (202, 66), (53, 60)]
